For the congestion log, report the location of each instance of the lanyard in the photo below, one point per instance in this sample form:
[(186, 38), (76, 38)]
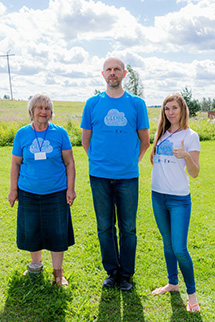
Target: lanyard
[(40, 146), (168, 137)]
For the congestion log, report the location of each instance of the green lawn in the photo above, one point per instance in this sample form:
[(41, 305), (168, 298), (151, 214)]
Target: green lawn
[(84, 299)]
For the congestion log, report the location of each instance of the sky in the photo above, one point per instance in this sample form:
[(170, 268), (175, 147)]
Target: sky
[(58, 47)]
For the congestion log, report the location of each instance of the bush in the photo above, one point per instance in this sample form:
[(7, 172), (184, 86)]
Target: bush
[(8, 132), (74, 133), (205, 128)]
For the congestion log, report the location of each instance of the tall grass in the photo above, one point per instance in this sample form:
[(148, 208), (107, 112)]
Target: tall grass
[(13, 115)]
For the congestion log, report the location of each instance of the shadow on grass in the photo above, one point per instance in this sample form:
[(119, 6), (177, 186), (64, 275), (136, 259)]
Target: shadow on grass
[(132, 307), (111, 308), (179, 312), (34, 300)]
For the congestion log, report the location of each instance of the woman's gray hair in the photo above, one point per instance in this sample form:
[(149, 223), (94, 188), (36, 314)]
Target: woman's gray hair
[(37, 101)]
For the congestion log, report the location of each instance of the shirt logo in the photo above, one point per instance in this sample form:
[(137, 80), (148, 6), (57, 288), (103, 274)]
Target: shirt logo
[(115, 118), (165, 148), (46, 147)]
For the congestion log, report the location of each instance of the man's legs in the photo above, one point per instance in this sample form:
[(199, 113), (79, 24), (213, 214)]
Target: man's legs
[(123, 193), (126, 194), (103, 200)]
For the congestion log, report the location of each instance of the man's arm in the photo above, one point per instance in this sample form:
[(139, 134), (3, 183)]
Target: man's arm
[(86, 136), (144, 141)]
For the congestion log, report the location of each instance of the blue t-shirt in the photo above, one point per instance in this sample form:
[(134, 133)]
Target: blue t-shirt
[(46, 175), (114, 146)]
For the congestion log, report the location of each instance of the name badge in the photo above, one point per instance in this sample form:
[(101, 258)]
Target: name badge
[(40, 156)]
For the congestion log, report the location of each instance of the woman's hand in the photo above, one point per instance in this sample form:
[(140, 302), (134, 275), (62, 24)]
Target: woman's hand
[(12, 197), (191, 158), (180, 153), (70, 196)]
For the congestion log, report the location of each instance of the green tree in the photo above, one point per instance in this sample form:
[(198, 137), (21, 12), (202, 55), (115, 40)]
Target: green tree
[(193, 105), (206, 104), (97, 91), (213, 105), (133, 83)]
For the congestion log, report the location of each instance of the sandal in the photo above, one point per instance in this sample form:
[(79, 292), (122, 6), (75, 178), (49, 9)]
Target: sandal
[(190, 308), (159, 290), (60, 279)]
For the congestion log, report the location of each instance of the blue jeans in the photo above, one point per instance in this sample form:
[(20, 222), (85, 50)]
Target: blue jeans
[(172, 214), (111, 197)]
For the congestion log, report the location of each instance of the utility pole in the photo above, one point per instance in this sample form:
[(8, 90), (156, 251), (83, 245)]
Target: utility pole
[(8, 68)]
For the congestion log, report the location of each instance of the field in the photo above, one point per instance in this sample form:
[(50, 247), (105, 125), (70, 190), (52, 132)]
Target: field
[(13, 115), (84, 300)]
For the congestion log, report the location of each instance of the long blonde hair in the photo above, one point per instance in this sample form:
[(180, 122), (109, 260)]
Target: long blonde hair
[(164, 124)]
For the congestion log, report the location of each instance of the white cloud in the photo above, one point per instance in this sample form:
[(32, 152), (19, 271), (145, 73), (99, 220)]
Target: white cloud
[(191, 29), (82, 19), (53, 48), (187, 1), (2, 9)]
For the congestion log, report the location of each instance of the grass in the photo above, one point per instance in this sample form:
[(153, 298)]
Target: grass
[(84, 300), (13, 115)]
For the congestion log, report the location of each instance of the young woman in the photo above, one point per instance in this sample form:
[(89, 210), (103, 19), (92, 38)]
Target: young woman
[(175, 148), (43, 182)]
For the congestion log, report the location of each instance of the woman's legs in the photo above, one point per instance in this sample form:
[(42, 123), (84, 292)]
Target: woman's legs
[(162, 217), (172, 214), (36, 256), (57, 261), (180, 210), (57, 258)]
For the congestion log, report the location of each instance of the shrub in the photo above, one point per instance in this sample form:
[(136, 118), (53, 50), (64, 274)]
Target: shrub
[(8, 132), (205, 128), (74, 133)]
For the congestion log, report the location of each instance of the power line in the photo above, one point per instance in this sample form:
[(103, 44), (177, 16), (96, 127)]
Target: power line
[(8, 68)]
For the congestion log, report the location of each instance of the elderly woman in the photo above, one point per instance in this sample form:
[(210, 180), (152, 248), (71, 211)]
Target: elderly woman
[(43, 180)]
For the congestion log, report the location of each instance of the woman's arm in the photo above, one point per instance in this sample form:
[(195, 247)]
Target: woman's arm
[(191, 158), (69, 162), (14, 176)]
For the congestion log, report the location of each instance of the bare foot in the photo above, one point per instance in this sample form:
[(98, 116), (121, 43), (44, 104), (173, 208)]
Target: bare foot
[(192, 305), (165, 289)]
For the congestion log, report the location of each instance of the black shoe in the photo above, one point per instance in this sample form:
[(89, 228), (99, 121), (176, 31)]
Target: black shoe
[(110, 281), (125, 284)]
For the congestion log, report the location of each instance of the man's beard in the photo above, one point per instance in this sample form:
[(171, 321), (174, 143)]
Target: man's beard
[(114, 85)]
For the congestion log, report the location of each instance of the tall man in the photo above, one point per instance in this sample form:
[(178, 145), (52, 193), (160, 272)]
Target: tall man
[(115, 137)]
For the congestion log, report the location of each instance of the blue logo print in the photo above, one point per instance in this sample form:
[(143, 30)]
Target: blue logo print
[(46, 147), (115, 118), (165, 148)]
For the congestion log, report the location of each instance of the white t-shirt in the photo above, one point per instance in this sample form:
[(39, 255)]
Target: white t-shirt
[(168, 174)]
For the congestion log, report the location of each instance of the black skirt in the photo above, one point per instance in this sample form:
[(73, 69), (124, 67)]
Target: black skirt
[(44, 222)]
